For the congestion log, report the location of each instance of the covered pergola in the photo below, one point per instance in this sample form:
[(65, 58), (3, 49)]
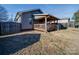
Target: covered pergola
[(45, 22)]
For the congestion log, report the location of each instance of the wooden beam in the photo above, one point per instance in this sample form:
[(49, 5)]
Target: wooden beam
[(58, 25), (68, 24), (45, 23)]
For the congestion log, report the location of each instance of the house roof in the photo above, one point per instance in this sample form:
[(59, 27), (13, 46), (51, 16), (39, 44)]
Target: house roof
[(31, 10), (40, 14), (36, 15), (26, 11)]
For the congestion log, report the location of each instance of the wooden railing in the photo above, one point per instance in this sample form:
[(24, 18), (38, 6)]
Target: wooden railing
[(42, 26), (39, 26)]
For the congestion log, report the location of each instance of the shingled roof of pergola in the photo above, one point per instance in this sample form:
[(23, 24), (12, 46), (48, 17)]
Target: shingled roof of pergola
[(41, 17)]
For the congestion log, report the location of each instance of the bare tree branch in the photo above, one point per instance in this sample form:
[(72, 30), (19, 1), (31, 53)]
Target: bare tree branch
[(3, 14)]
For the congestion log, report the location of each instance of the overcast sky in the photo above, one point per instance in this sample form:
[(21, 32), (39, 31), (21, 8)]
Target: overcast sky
[(58, 10)]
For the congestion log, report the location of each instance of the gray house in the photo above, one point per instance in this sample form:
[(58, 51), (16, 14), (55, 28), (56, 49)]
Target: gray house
[(36, 19), (26, 18)]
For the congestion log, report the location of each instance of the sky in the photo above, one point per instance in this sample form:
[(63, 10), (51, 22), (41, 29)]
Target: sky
[(57, 10)]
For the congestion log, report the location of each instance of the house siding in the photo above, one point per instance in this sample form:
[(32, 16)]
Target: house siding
[(27, 19)]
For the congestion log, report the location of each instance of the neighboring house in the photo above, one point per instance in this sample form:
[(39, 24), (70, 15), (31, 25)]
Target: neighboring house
[(26, 18), (63, 23), (76, 24), (66, 22), (72, 23)]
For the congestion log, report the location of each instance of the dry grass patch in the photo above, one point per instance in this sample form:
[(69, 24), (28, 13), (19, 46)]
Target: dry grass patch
[(56, 43)]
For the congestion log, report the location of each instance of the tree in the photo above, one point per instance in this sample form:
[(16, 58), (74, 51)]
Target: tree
[(3, 14), (76, 16)]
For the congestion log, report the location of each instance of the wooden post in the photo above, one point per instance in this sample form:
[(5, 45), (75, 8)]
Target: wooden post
[(68, 25), (73, 24), (58, 27), (45, 23)]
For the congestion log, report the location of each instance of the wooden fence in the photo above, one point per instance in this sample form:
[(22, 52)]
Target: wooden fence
[(9, 27)]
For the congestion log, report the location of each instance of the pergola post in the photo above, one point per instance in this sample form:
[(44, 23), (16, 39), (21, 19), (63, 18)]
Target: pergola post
[(45, 23), (58, 25), (68, 24)]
